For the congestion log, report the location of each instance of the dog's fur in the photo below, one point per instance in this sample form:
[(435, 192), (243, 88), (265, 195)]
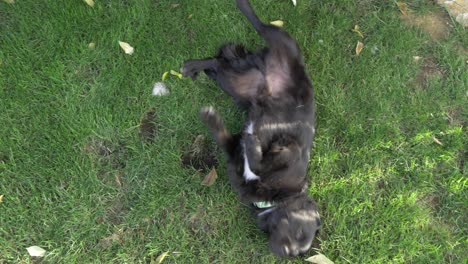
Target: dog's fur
[(268, 161)]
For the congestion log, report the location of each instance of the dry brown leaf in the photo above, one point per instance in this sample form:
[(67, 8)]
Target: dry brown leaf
[(126, 47), (359, 47), (437, 141), (90, 2), (403, 8), (161, 257), (278, 23), (210, 178)]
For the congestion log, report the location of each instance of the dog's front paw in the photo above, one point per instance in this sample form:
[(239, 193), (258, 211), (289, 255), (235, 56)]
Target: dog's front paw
[(190, 69)]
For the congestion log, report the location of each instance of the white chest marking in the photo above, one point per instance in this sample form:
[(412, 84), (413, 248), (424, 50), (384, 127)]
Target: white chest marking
[(249, 175)]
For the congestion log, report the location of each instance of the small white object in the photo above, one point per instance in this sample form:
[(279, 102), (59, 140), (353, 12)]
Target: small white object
[(126, 47), (160, 89), (375, 49), (294, 2), (36, 251), (320, 41)]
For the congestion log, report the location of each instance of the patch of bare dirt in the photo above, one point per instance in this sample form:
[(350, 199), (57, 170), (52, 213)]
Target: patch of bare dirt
[(108, 241), (200, 155), (199, 223), (148, 126), (436, 25), (429, 71), (115, 210), (106, 153)]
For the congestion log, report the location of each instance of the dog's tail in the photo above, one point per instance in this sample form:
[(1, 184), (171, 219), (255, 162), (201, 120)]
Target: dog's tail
[(216, 126)]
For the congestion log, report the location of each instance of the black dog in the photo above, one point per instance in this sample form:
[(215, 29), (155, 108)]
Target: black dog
[(267, 163)]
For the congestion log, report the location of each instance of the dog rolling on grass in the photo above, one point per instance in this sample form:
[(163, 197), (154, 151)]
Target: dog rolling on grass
[(267, 162)]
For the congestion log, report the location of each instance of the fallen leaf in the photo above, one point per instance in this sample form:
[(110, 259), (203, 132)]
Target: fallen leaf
[(90, 2), (9, 1), (210, 178), (175, 5), (319, 259), (164, 76), (160, 89), (417, 58), (92, 45), (294, 2), (126, 47), (403, 8), (36, 251), (161, 257), (375, 49), (359, 47), (278, 23), (1, 198), (437, 141), (176, 74), (190, 16), (356, 30)]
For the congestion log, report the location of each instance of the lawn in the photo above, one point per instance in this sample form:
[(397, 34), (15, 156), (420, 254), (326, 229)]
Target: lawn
[(93, 168)]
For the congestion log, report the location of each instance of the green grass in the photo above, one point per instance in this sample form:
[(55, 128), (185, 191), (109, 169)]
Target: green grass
[(79, 182)]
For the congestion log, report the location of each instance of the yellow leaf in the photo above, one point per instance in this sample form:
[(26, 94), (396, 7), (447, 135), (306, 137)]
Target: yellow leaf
[(126, 47), (1, 198), (176, 74), (278, 23), (92, 45), (161, 257), (36, 251), (437, 141), (210, 178), (90, 2), (164, 76), (319, 259), (359, 47), (190, 16), (356, 29)]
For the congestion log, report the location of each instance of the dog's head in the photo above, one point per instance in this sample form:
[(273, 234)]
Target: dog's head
[(291, 225)]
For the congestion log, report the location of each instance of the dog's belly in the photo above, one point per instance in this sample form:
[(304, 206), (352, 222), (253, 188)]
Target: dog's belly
[(249, 175)]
